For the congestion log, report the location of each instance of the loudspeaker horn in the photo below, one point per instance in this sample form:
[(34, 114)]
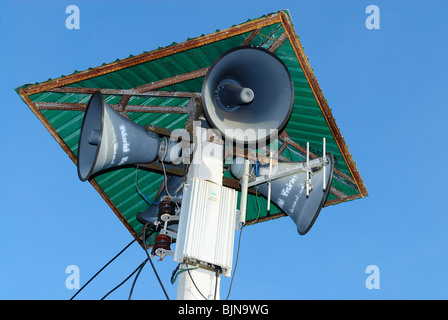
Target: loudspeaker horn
[(289, 192), (248, 95), (109, 140)]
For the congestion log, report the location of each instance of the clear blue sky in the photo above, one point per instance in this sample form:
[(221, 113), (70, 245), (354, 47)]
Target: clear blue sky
[(388, 92)]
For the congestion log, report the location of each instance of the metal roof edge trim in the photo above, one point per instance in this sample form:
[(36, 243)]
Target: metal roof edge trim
[(72, 156), (314, 85), (25, 91), (281, 17), (155, 54)]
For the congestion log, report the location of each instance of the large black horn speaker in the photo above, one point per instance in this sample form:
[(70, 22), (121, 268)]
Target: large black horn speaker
[(109, 140), (247, 94), (289, 192)]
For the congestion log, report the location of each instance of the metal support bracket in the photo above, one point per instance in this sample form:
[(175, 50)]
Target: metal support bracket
[(165, 219), (306, 166), (162, 253), (300, 167)]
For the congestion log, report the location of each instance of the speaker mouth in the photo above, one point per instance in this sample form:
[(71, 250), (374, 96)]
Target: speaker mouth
[(324, 198), (88, 151), (108, 140)]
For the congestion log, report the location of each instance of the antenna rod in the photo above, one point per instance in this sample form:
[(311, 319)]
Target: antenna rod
[(324, 167), (307, 182), (244, 187), (269, 184)]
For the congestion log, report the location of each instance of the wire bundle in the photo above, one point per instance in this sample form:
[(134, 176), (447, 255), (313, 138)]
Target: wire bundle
[(138, 270)]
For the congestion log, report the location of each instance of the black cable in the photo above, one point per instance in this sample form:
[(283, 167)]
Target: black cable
[(102, 269), (152, 265), (128, 277), (173, 274), (236, 262), (196, 285), (216, 282), (135, 279)]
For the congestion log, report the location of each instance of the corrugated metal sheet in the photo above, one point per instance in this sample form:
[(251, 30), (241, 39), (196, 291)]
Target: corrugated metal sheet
[(60, 105)]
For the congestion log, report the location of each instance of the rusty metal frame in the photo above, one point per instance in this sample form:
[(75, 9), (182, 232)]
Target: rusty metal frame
[(193, 108), (309, 74)]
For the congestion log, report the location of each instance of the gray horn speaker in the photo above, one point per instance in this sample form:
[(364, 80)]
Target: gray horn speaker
[(109, 140), (247, 94), (289, 192)]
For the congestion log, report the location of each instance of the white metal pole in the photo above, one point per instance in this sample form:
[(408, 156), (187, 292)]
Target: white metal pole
[(200, 283)]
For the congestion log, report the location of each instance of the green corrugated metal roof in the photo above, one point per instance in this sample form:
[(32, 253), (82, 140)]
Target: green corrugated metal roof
[(60, 103)]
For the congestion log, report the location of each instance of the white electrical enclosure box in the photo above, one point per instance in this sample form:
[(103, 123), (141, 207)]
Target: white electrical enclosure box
[(207, 225)]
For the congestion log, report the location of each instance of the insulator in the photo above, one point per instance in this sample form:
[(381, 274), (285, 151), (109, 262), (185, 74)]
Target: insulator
[(161, 241), (166, 206)]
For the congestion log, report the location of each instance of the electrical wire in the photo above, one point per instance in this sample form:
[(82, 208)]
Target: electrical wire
[(236, 263), (165, 180), (102, 269), (138, 270), (152, 264), (174, 274), (127, 278), (149, 201), (196, 285), (136, 277), (216, 282), (256, 160), (177, 272)]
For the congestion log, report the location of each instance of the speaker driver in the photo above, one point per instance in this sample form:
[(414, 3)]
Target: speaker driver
[(248, 95)]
